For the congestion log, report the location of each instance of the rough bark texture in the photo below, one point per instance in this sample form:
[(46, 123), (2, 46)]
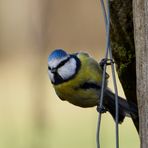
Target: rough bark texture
[(122, 43), (140, 11)]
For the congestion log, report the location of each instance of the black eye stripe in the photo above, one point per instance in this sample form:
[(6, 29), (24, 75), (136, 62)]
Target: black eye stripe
[(60, 64), (63, 62)]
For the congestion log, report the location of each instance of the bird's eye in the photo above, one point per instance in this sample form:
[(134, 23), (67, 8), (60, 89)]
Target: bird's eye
[(63, 62), (49, 68)]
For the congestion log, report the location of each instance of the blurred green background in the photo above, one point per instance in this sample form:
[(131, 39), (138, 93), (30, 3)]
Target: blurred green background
[(31, 115)]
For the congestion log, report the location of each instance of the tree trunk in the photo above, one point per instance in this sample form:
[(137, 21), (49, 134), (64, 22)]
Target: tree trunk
[(140, 11), (122, 43)]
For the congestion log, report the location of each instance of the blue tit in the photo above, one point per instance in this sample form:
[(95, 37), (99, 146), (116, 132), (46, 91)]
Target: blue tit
[(77, 78)]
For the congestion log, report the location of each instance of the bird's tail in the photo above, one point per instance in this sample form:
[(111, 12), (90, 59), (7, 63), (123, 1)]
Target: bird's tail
[(124, 109)]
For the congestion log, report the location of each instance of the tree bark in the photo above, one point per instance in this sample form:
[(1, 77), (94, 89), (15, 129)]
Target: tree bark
[(140, 11), (122, 43)]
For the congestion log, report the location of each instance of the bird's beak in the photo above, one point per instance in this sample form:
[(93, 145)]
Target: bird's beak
[(53, 70)]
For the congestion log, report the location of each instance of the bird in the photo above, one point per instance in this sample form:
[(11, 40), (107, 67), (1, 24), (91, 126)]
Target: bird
[(77, 78)]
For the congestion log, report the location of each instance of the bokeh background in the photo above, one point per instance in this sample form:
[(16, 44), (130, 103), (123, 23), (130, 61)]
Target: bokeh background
[(31, 115)]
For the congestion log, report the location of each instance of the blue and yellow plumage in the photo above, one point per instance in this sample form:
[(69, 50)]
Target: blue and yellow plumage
[(77, 79)]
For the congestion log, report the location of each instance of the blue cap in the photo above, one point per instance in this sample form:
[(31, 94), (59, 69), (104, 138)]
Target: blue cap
[(56, 54)]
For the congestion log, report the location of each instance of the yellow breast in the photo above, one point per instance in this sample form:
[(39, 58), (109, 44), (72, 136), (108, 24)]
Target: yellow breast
[(90, 71)]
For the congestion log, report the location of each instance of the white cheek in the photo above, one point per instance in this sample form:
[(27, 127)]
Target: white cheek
[(68, 69), (51, 76)]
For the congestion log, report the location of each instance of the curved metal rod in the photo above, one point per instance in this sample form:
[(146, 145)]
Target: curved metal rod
[(106, 14)]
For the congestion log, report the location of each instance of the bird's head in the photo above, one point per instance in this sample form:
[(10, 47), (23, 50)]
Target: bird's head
[(61, 66)]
